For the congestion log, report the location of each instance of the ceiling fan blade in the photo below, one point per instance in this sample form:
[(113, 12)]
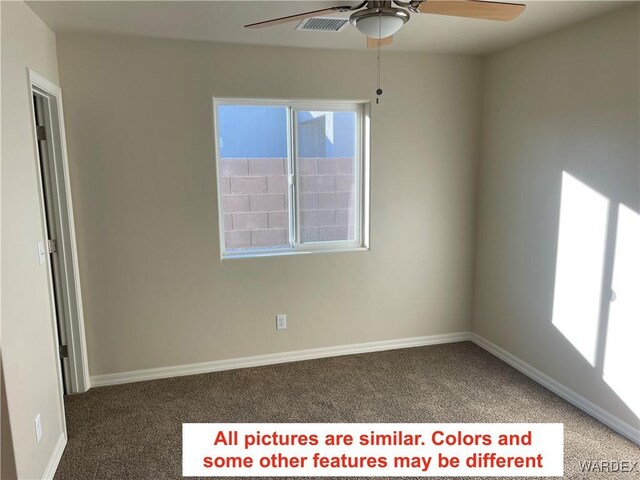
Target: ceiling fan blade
[(373, 42), (473, 9), (293, 18)]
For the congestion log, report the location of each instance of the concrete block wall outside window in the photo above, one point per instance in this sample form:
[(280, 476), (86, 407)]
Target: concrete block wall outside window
[(255, 201)]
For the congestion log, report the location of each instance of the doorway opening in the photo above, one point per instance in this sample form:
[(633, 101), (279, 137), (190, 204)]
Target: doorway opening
[(59, 248)]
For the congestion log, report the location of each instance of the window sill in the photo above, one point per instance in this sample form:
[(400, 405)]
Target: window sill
[(288, 252)]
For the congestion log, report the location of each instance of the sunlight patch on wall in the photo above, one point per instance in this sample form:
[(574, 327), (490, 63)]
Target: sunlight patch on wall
[(622, 353), (579, 265)]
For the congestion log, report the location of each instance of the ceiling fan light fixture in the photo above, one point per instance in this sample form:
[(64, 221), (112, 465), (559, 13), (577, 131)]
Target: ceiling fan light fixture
[(379, 22)]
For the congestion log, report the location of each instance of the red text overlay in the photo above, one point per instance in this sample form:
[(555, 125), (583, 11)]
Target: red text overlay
[(372, 449)]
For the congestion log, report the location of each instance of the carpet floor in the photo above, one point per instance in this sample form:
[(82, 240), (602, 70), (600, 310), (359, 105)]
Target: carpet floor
[(133, 431)]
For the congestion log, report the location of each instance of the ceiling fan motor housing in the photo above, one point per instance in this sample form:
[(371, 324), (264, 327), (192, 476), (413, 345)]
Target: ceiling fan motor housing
[(379, 22)]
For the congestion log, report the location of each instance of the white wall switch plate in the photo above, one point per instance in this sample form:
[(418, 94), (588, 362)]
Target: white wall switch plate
[(38, 424), (281, 321)]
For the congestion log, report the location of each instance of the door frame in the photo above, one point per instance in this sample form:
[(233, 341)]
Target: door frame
[(79, 380)]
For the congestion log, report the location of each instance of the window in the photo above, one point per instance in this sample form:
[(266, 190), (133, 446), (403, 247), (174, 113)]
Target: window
[(292, 176)]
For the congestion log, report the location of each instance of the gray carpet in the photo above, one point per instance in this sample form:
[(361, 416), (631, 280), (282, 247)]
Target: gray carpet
[(134, 431)]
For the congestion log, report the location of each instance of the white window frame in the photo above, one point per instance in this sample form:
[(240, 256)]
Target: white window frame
[(361, 174)]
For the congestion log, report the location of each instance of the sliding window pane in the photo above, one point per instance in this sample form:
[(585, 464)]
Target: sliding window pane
[(252, 140), (327, 175)]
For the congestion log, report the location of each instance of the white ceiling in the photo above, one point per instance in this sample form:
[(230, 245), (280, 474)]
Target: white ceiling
[(222, 21)]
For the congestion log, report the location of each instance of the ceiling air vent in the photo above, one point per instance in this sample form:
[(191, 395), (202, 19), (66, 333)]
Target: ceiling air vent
[(323, 24)]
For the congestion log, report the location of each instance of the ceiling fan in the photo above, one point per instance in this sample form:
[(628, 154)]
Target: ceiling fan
[(379, 20)]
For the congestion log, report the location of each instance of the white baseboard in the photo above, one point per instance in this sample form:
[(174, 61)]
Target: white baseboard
[(582, 403), (570, 396), (56, 455), (274, 358)]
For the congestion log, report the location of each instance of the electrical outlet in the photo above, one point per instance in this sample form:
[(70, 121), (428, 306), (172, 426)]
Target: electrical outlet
[(281, 321), (38, 424)]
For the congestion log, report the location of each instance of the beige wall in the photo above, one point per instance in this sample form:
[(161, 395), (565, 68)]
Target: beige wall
[(568, 101), (140, 139), (7, 456), (28, 349)]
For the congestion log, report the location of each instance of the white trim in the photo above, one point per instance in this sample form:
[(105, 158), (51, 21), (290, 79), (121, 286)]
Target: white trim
[(570, 396), (56, 455), (219, 190), (79, 364), (280, 252), (556, 387), (365, 177), (337, 104), (41, 82), (275, 358)]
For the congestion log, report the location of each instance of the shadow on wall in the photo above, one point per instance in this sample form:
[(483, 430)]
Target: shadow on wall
[(596, 302)]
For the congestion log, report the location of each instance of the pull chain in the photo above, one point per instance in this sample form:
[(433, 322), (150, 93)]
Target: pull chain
[(379, 90)]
